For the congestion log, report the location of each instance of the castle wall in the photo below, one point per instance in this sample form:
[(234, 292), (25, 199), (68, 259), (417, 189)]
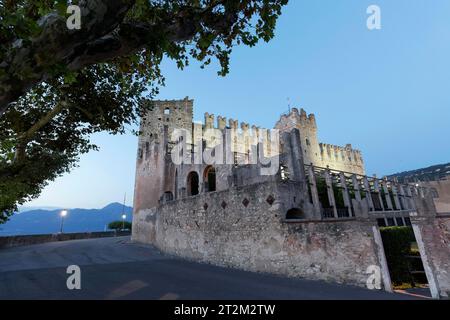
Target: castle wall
[(341, 158), (239, 228), (150, 178), (156, 174), (442, 187)]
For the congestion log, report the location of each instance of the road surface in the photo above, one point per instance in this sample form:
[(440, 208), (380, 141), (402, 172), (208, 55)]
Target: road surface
[(115, 268)]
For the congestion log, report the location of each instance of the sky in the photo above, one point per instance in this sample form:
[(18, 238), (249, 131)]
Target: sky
[(384, 91)]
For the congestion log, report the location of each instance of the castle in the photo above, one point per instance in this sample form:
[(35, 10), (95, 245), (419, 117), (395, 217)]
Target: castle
[(158, 177), (274, 200)]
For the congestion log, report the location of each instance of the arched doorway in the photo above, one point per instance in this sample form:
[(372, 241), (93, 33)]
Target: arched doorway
[(192, 184), (209, 176), (168, 196), (295, 213)]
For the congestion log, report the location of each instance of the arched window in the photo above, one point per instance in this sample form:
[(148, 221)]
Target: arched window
[(166, 111), (192, 184), (209, 177), (295, 213)]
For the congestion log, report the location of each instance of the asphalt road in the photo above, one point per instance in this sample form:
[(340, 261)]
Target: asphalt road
[(115, 268)]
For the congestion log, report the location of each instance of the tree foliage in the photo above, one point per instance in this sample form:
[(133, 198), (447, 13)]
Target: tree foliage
[(33, 152), (58, 86), (119, 225), (37, 45)]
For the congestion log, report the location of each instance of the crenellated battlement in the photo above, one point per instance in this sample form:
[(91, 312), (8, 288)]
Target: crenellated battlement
[(296, 118), (244, 137), (340, 154), (221, 123), (209, 121)]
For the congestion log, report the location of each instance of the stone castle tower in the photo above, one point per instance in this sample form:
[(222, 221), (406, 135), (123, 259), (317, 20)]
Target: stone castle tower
[(154, 172), (320, 154)]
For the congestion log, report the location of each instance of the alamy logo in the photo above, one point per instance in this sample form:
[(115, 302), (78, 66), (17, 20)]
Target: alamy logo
[(374, 280), (217, 147), (374, 20), (74, 280), (74, 20)]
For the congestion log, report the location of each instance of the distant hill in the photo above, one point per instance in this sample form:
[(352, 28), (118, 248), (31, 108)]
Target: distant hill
[(433, 173), (41, 221), (26, 208)]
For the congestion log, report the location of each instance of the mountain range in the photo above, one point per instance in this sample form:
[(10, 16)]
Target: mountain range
[(45, 221), (433, 173)]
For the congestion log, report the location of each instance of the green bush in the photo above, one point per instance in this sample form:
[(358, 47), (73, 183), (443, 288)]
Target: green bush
[(119, 225), (322, 190), (397, 245)]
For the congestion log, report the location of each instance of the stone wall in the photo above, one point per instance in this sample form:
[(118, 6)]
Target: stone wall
[(16, 241), (245, 229), (442, 187), (433, 237)]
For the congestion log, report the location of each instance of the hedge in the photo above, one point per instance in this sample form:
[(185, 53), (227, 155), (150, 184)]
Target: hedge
[(397, 245), (119, 225)]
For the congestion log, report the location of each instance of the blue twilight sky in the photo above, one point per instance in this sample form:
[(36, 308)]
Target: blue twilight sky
[(385, 91)]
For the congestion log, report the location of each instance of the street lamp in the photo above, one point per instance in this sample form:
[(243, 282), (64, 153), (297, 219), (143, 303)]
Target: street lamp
[(63, 213), (123, 221)]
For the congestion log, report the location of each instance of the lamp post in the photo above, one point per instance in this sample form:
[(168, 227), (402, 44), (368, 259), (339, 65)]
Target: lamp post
[(123, 221), (63, 213)]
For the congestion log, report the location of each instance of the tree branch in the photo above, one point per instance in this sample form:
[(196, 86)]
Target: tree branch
[(32, 62), (104, 36), (24, 138)]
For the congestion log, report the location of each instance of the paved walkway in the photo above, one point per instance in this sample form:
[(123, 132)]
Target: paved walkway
[(115, 268)]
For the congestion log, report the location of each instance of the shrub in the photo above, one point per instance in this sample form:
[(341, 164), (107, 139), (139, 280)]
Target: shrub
[(322, 190), (397, 245), (119, 225)]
